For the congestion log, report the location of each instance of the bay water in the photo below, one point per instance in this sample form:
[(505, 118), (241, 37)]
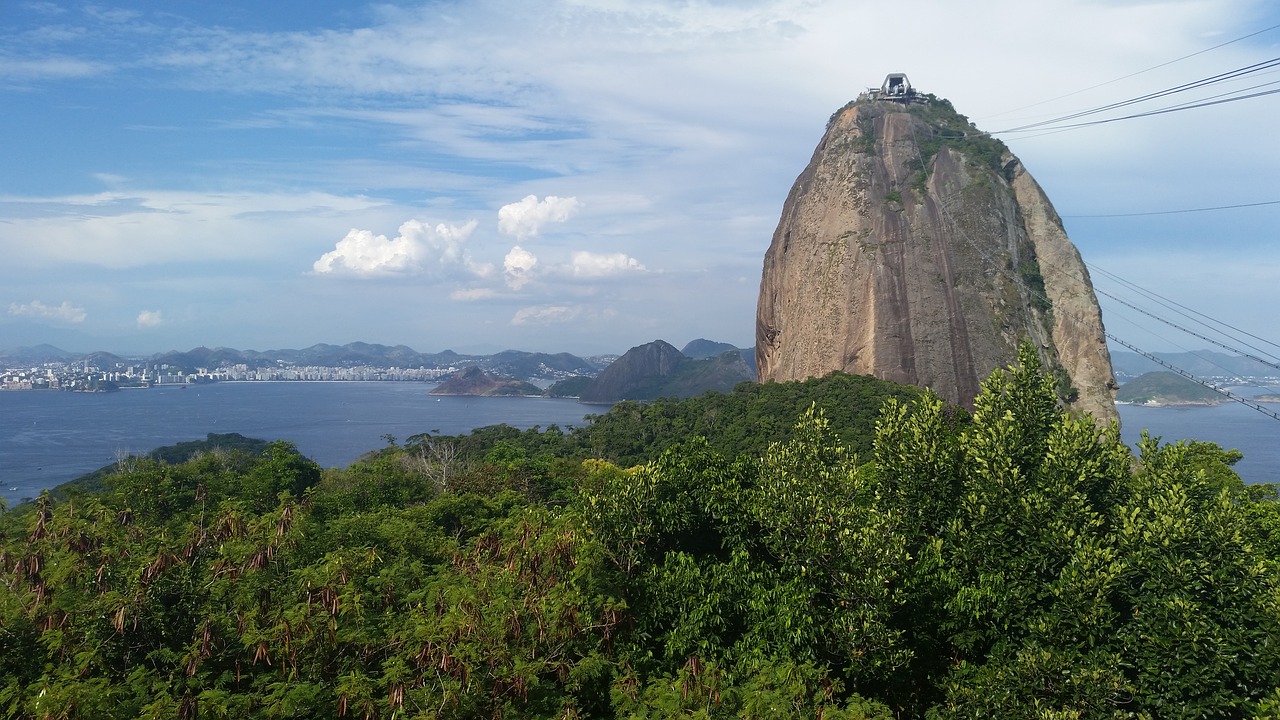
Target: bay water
[(1231, 425), (47, 438)]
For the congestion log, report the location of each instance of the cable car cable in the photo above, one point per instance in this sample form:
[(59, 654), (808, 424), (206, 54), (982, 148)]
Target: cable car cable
[(1203, 82), (1177, 212), (1171, 304), (1135, 74)]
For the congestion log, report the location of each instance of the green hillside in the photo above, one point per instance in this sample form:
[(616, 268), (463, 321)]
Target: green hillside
[(886, 559), (1166, 388)]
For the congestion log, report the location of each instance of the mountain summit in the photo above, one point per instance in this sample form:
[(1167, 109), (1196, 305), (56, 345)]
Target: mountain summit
[(917, 249)]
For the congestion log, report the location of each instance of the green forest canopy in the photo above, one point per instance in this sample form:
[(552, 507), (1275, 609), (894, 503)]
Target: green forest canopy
[(883, 556)]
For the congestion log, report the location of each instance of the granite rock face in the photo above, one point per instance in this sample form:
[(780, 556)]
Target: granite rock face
[(915, 249)]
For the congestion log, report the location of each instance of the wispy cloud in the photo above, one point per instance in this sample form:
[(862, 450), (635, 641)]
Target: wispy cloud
[(15, 71), (66, 312), (546, 314), (594, 316), (149, 227), (595, 265), (473, 294)]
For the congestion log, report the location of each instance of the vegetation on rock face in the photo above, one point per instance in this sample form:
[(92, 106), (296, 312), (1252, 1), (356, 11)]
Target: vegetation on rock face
[(953, 130), (569, 387), (702, 348), (1017, 563)]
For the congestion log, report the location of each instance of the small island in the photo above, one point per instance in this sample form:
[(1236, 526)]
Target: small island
[(1165, 389), (474, 381)]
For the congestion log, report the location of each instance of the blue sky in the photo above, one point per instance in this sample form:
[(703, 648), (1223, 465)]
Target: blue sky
[(583, 176)]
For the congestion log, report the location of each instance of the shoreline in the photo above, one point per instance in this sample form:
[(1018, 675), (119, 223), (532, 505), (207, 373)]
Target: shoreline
[(1171, 404)]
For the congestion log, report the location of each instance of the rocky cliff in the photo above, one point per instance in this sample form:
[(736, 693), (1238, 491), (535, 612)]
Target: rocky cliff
[(916, 249)]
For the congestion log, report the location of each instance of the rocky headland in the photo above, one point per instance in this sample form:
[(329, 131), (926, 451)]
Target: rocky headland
[(917, 249)]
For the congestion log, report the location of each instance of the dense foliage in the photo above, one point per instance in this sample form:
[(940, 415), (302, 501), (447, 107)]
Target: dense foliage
[(745, 421), (170, 454), (1019, 563)]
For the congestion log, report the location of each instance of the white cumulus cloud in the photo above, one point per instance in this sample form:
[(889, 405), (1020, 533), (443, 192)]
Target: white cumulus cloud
[(545, 315), (419, 248), (149, 318), (517, 267), (525, 218), (596, 265), (66, 312)]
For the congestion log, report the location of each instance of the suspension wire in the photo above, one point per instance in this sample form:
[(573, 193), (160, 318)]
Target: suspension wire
[(1221, 391), (1177, 212), (1193, 333), (1172, 305), (1226, 371), (1140, 291), (1151, 113), (1229, 93), (1135, 74), (1195, 84), (1040, 130)]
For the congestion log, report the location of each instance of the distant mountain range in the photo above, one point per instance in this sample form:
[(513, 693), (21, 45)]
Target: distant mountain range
[(515, 364), (1202, 363), (509, 363), (536, 365), (36, 354), (644, 372)]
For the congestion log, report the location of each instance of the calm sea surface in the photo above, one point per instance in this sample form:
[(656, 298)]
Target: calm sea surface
[(1231, 425), (47, 438)]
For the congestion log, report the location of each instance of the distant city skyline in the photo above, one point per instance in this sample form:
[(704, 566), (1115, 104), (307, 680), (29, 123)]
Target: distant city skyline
[(576, 175)]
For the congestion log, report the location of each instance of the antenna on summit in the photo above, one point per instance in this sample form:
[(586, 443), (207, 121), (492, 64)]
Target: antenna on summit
[(896, 88)]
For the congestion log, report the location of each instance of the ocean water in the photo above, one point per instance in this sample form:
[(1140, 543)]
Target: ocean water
[(1231, 425), (47, 438)]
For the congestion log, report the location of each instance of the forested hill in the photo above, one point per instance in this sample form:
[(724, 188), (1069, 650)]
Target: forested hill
[(1166, 388), (1017, 563)]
